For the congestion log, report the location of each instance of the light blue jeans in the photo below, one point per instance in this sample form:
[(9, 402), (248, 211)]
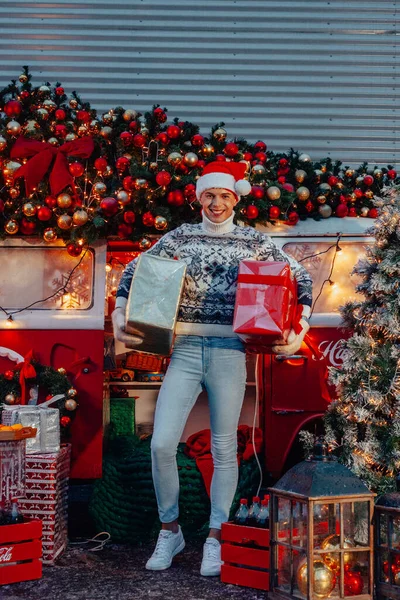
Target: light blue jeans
[(217, 365)]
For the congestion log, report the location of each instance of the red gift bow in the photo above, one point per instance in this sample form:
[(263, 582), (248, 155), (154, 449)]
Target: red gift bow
[(42, 155), (27, 371)]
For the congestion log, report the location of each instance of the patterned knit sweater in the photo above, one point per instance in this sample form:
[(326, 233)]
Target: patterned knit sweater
[(212, 253)]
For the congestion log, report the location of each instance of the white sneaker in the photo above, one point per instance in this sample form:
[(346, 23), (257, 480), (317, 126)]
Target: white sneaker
[(211, 563), (168, 545)]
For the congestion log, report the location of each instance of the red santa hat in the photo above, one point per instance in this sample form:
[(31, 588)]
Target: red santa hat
[(226, 175)]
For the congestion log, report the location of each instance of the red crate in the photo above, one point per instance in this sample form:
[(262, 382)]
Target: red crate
[(245, 553), (20, 552)]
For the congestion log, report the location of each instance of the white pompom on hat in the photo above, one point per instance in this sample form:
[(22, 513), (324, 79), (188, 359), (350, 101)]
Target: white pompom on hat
[(226, 175)]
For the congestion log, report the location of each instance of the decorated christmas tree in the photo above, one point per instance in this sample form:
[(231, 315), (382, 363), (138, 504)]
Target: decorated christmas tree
[(363, 424)]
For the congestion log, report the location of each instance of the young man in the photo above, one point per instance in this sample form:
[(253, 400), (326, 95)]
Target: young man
[(207, 353)]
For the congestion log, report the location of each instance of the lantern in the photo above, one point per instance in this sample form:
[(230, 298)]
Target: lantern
[(321, 531), (387, 545)]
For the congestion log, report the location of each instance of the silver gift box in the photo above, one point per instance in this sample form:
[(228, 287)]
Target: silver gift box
[(153, 302), (45, 420)]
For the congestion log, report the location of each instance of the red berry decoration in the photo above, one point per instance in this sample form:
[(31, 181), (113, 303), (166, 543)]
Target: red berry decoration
[(148, 219), (220, 158), (83, 115), (257, 192), (60, 114), (341, 210), (101, 164), (173, 132), (252, 212), (261, 157), (139, 141), (122, 163), (293, 218), (74, 250), (44, 213), (231, 149), (50, 201), (163, 178), (129, 216), (163, 138), (124, 230), (197, 140), (109, 206), (59, 91), (392, 174), (352, 211), (76, 169), (260, 146), (373, 213), (126, 138), (368, 180), (27, 227), (9, 375), (13, 108), (128, 183), (274, 212), (65, 421)]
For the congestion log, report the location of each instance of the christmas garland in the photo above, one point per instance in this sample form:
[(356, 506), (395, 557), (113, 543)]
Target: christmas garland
[(67, 172)]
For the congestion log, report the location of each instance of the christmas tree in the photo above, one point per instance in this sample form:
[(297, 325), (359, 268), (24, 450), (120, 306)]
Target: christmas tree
[(364, 422)]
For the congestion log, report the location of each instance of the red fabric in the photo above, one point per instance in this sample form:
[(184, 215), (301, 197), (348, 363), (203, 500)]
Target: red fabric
[(27, 371), (41, 155), (236, 169), (198, 446)]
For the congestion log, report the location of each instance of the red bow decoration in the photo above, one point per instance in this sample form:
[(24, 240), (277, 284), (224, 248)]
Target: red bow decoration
[(41, 155), (27, 371)]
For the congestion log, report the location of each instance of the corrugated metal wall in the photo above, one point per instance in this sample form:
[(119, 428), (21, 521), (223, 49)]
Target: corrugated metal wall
[(320, 76)]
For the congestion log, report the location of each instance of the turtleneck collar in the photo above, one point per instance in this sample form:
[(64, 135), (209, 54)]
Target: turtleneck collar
[(218, 228)]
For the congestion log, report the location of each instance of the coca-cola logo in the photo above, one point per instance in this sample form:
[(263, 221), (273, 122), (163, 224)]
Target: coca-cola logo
[(332, 351), (6, 554)]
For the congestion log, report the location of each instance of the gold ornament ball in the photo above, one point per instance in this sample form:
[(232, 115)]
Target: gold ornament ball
[(304, 157), (10, 399), (49, 105), (73, 103), (153, 166), (72, 392), (64, 200), (325, 211), (369, 194), (129, 115), (31, 125), (273, 192), (29, 209), (49, 235), (303, 193), (332, 559), (3, 143), (95, 126), (324, 579), (23, 78), (258, 170), (144, 130), (11, 227), (378, 174), (99, 188), (70, 404), (160, 223), (62, 371), (352, 197), (42, 113), (123, 197), (174, 158), (207, 150), (82, 130), (190, 159), (80, 217), (64, 222), (349, 172), (144, 244), (364, 211), (220, 134), (53, 141), (44, 90), (70, 137), (107, 118), (13, 128), (321, 199), (13, 193), (324, 188), (108, 173), (9, 168), (141, 184), (106, 132), (300, 175)]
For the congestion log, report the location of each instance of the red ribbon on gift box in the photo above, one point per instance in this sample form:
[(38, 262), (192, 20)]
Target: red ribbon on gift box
[(27, 371), (42, 155)]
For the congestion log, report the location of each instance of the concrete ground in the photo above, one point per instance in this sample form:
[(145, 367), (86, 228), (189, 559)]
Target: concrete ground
[(118, 573)]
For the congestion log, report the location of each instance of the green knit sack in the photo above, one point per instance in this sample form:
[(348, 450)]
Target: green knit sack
[(122, 417)]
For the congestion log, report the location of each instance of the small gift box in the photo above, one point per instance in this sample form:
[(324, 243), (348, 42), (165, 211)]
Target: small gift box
[(153, 302), (266, 302), (45, 420)]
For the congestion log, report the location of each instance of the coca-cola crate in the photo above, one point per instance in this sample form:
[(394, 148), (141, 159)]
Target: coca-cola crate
[(20, 552), (245, 553)]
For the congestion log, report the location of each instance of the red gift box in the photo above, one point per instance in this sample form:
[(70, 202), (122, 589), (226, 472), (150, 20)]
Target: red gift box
[(266, 302), (20, 552), (46, 498)]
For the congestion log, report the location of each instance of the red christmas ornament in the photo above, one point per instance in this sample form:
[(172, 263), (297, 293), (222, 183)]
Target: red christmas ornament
[(9, 375), (101, 164), (252, 212), (83, 116), (148, 219), (352, 211), (74, 250), (231, 149), (283, 171), (274, 212), (50, 201), (76, 169), (281, 179), (122, 163), (293, 218), (24, 95), (288, 187), (341, 210), (353, 583), (197, 140), (133, 126), (60, 131), (201, 164), (124, 230), (261, 157), (176, 198), (247, 156), (44, 213), (13, 108), (368, 180), (129, 216), (163, 178), (182, 169), (359, 193), (59, 91), (27, 227), (309, 206), (257, 192), (392, 174), (163, 138), (160, 115), (126, 138), (260, 146), (190, 190), (128, 183), (373, 213), (283, 162), (173, 132), (220, 158), (60, 114), (65, 421), (139, 141), (333, 180), (109, 206)]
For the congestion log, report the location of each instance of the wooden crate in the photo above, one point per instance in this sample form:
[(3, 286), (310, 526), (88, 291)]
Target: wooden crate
[(20, 552), (245, 553)]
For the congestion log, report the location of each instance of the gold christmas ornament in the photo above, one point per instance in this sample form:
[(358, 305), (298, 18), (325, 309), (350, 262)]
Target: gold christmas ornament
[(3, 143), (80, 217), (153, 166), (29, 209), (321, 199), (273, 192), (364, 211), (174, 158), (378, 173), (220, 134), (73, 103), (108, 172), (304, 157), (351, 197), (13, 128), (129, 115), (62, 371), (83, 130), (53, 141), (13, 193), (99, 188), (95, 125), (332, 559), (324, 579), (64, 222), (207, 150), (190, 159), (141, 184), (23, 78), (369, 194), (300, 175), (72, 392), (325, 211), (44, 90), (258, 170), (106, 132), (144, 244), (107, 118), (10, 399), (42, 113), (31, 126), (324, 188), (64, 200), (70, 404), (123, 197), (70, 137), (160, 223), (49, 105), (8, 204), (9, 168), (349, 172), (303, 193), (11, 227), (49, 235)]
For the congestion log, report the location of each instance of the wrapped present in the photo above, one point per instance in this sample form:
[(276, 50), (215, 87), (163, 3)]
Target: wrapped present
[(153, 302), (12, 470), (46, 498), (45, 420), (266, 302)]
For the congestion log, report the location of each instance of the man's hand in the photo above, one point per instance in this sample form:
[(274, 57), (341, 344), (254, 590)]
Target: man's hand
[(294, 341), (118, 320)]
